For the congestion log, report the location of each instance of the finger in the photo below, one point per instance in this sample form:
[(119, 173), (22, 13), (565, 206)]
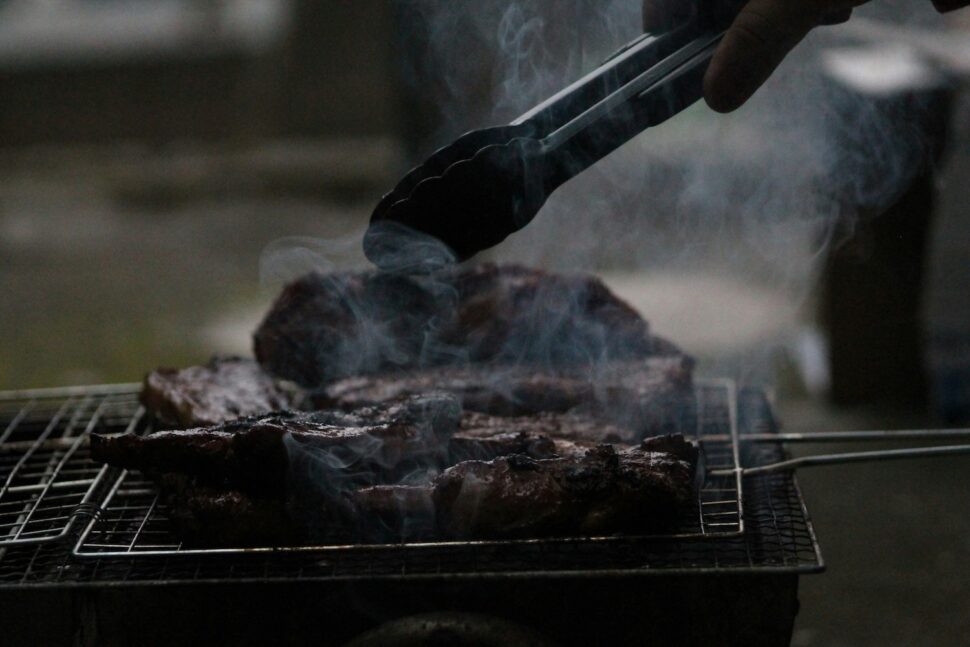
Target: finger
[(837, 17), (662, 15), (759, 39)]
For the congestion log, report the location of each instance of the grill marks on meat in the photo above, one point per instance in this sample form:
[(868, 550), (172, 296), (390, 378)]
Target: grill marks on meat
[(600, 491), (567, 363), (604, 492), (327, 327), (508, 391), (652, 396), (262, 454), (224, 389), (338, 476), (484, 437)]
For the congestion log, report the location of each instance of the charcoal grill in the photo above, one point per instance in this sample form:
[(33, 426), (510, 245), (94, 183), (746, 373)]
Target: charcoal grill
[(106, 570)]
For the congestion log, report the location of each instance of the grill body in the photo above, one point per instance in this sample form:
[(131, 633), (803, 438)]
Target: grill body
[(673, 610), (735, 588)]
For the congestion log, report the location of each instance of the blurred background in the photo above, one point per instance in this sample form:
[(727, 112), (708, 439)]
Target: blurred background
[(166, 164)]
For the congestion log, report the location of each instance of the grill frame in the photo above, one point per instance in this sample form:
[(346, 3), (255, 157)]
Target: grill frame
[(47, 483), (779, 539), (134, 506)]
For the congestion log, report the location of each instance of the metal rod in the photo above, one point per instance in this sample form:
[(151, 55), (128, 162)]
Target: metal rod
[(846, 436), (850, 457), (57, 485), (72, 391), (51, 443)]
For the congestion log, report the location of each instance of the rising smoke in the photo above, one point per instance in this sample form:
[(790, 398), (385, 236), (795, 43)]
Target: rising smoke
[(760, 195)]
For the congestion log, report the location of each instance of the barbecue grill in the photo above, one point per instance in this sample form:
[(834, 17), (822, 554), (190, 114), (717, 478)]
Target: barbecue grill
[(93, 542)]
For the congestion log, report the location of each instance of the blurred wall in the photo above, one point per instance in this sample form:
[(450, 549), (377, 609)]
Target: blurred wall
[(328, 74)]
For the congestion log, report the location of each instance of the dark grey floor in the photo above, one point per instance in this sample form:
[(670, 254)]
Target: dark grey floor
[(895, 536)]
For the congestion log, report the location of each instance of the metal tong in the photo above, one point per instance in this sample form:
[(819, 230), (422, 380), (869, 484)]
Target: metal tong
[(488, 184)]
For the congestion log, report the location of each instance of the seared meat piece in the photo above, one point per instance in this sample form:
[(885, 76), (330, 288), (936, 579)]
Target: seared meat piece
[(484, 437), (202, 452), (327, 327), (673, 444), (565, 426), (514, 314), (204, 516), (605, 492), (394, 513), (209, 517), (510, 391), (224, 389), (263, 454), (652, 396)]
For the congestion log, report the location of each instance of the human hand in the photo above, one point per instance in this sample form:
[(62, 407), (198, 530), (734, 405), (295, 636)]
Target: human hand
[(762, 35)]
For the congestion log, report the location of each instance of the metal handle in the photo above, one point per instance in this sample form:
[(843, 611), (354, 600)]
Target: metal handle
[(846, 436), (855, 457), (622, 67), (647, 100), (848, 458)]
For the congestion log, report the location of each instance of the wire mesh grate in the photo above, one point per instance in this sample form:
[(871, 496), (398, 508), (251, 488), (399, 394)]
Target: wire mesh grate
[(777, 537), (133, 519), (47, 480)]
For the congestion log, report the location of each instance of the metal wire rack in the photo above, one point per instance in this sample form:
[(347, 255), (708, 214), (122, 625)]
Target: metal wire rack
[(778, 537), (133, 520), (47, 480)]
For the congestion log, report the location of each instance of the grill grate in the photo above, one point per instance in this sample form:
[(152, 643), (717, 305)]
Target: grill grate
[(133, 518), (47, 481), (777, 537)]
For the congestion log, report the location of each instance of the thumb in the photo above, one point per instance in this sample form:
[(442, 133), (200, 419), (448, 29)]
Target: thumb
[(759, 39)]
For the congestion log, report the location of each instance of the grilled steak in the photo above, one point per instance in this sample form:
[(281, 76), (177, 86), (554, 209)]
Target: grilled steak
[(210, 517), (652, 396), (324, 327), (327, 327), (261, 454), (484, 437), (395, 513), (604, 492), (593, 492), (224, 389)]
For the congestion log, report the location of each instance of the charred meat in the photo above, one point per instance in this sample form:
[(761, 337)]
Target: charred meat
[(599, 491), (327, 327), (395, 513), (484, 437), (211, 517), (224, 389), (652, 396), (262, 454), (602, 493)]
